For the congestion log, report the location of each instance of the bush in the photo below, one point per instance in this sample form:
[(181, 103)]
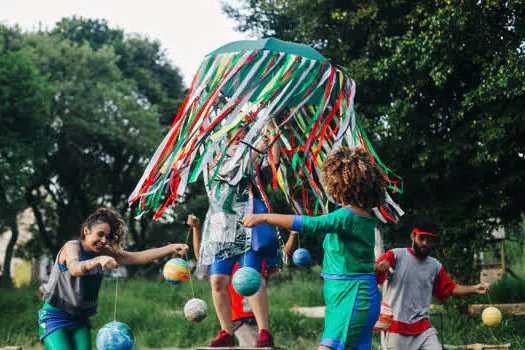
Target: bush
[(508, 290)]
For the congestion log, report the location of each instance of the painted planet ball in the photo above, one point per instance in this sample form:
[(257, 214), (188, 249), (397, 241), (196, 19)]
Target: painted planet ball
[(386, 316), (114, 336), (195, 310), (491, 316), (301, 257), (176, 271), (246, 281)]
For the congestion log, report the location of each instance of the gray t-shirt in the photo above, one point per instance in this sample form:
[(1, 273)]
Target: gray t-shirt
[(408, 291), (78, 296)]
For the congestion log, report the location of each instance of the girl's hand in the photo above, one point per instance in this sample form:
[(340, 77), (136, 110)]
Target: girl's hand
[(179, 249), (193, 221), (107, 262), (253, 219)]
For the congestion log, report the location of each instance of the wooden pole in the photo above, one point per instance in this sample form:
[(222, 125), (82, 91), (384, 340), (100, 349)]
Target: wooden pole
[(511, 309), (502, 248)]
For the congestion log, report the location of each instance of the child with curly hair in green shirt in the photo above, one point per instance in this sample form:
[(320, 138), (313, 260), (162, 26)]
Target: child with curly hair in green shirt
[(354, 180)]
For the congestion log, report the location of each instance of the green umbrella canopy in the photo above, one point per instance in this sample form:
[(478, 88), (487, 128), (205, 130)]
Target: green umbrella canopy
[(274, 45), (271, 44)]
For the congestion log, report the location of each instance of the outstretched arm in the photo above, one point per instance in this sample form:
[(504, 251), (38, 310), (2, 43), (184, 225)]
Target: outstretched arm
[(279, 220), (444, 286), (335, 222), (474, 289), (147, 256)]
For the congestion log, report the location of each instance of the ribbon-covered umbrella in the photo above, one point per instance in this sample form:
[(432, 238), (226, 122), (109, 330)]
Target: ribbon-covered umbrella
[(249, 84)]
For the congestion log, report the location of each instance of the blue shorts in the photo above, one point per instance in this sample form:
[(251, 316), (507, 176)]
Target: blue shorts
[(225, 266), (51, 319)]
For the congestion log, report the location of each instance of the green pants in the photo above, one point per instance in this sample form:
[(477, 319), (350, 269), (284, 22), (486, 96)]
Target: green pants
[(67, 335), (69, 338)]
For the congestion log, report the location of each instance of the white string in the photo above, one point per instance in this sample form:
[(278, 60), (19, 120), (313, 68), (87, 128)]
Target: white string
[(251, 230), (245, 245), (191, 280), (116, 296), (490, 328)]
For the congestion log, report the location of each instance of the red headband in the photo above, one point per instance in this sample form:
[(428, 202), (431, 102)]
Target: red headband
[(419, 232)]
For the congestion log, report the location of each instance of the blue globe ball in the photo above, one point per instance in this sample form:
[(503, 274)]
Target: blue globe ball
[(115, 336), (246, 281), (301, 257)]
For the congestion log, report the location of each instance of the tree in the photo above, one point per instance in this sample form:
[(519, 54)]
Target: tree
[(101, 111), (140, 59), (102, 130), (24, 107), (158, 84), (441, 91)]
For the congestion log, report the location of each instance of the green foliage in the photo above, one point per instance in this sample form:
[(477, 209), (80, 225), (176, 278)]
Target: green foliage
[(24, 108), (24, 115), (515, 243), (30, 248), (440, 88), (508, 290), (83, 106), (139, 58), (101, 130), (96, 32)]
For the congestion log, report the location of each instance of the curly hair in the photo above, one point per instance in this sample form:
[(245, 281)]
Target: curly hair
[(354, 178), (111, 217)]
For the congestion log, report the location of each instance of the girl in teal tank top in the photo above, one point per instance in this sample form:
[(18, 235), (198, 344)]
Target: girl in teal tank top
[(354, 180), (71, 294)]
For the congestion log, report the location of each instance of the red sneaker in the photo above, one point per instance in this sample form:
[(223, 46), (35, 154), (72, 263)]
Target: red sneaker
[(223, 339), (265, 339)]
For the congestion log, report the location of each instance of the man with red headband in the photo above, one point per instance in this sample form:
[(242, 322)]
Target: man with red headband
[(410, 278)]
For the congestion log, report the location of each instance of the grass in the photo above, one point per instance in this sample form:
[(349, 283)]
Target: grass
[(153, 309)]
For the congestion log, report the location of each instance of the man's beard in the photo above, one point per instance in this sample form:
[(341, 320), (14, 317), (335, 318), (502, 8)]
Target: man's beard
[(421, 254)]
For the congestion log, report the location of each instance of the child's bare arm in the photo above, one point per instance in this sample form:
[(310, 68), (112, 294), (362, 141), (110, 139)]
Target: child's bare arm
[(195, 224)]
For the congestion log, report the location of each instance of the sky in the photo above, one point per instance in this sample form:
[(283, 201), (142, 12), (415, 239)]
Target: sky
[(187, 29)]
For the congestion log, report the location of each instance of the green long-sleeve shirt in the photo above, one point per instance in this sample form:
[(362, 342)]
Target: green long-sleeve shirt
[(349, 242)]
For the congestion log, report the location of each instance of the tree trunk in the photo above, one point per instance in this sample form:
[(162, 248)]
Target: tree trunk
[(7, 281), (133, 229), (39, 218), (144, 225)]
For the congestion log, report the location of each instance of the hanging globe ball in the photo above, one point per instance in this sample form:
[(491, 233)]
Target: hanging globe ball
[(301, 257), (114, 336), (195, 310), (176, 271), (246, 281), (386, 316), (491, 316)]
